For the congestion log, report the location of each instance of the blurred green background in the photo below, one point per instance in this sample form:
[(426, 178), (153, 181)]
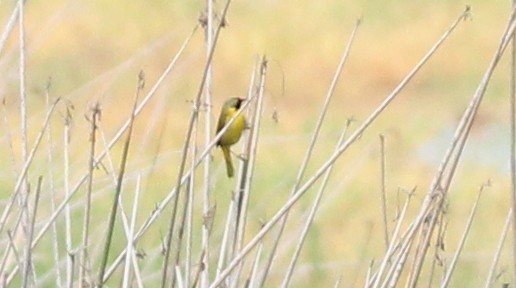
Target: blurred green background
[(93, 51)]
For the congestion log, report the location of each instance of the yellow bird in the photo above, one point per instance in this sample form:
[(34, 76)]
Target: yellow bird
[(234, 131)]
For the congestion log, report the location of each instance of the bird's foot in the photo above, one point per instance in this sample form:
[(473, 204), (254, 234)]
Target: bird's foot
[(241, 156)]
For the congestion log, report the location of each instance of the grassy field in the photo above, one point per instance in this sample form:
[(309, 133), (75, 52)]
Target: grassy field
[(88, 52)]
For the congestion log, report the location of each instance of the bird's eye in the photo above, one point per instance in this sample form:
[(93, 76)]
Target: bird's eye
[(239, 103)]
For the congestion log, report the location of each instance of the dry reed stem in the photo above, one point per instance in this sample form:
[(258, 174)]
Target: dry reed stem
[(311, 215), (225, 242), (397, 266), (498, 252), (12, 246), (337, 283), (24, 190), (9, 27), (198, 272), (51, 148), (309, 151), (118, 189), (180, 282), (383, 192), (242, 187), (368, 277), (191, 123), (9, 136), (252, 280), (246, 172), (209, 31), (67, 212), (246, 169), (30, 232), (130, 259), (84, 266), (453, 264), (189, 211), (238, 204), (438, 246), (512, 96), (182, 221), (393, 246)]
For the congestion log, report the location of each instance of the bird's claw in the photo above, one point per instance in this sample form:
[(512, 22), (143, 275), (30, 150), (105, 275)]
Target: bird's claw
[(241, 157)]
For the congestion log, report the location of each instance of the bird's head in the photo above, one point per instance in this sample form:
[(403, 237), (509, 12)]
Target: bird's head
[(234, 102)]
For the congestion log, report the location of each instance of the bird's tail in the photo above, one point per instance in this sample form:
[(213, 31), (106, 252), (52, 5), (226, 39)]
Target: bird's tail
[(229, 163)]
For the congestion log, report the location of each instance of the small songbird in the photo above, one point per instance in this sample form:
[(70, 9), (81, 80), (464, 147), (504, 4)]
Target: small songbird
[(234, 131)]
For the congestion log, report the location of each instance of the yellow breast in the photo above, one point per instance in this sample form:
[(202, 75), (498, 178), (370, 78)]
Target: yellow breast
[(234, 132)]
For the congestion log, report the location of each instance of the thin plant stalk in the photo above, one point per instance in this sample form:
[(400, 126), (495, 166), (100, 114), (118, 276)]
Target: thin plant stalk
[(382, 191), (392, 245), (369, 273), (254, 269), (246, 172), (188, 218), (112, 169), (449, 273), (246, 177), (189, 208), (224, 244), (23, 122), (396, 254), (129, 261), (439, 243), (9, 136), (9, 27), (28, 252), (10, 249), (398, 265), (338, 282), (23, 92), (123, 214), (180, 282), (185, 215), (236, 202), (198, 271), (311, 216), (67, 213), (512, 97), (240, 199), (192, 121), (425, 237), (395, 245), (308, 155), (118, 190), (209, 31), (17, 256), (52, 187), (245, 184), (496, 257), (84, 257)]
